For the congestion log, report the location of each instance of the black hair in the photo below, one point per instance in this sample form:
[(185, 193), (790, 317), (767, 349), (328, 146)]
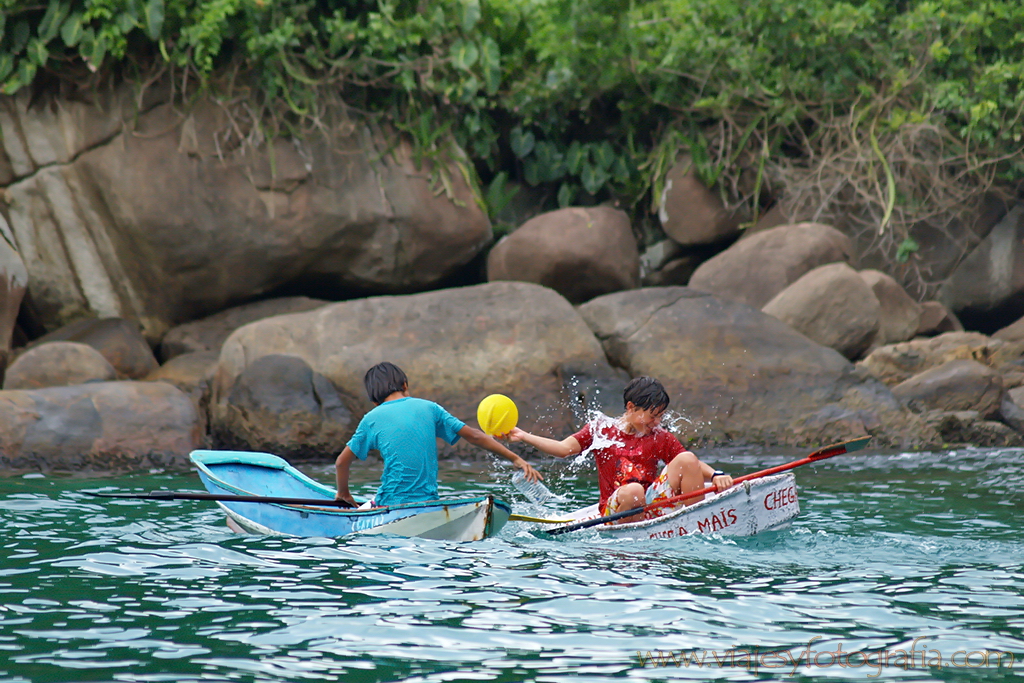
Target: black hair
[(645, 393), (384, 379)]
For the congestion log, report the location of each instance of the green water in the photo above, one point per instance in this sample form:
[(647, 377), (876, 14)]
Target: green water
[(888, 550)]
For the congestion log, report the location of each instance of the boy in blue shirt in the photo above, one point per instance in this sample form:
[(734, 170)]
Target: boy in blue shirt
[(404, 429)]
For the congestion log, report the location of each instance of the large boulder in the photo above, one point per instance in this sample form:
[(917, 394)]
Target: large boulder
[(278, 404), (755, 269), (954, 386), (215, 223), (831, 305), (13, 281), (191, 373), (937, 319), (896, 363), (899, 315), (208, 334), (689, 212), (455, 345), (101, 426), (738, 375), (988, 285), (578, 252), (118, 340), (58, 364)]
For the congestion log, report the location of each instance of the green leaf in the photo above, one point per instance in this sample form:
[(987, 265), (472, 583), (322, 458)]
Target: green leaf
[(490, 62), (470, 15), (126, 22), (6, 65), (603, 155), (464, 54), (550, 162), (154, 11), (71, 31), (3, 26), (37, 52), (522, 142), (54, 17), (593, 178), (620, 170), (499, 194), (566, 195), (574, 157), (26, 71), (907, 247), (19, 36), (93, 49)]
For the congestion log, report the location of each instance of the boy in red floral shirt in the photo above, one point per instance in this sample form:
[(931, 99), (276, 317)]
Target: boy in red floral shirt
[(629, 452)]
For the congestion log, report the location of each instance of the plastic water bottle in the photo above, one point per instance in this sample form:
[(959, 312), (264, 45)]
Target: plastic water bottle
[(535, 491)]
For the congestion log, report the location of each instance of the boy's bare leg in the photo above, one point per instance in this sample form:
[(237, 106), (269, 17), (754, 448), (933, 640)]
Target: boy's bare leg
[(685, 475), (630, 496)]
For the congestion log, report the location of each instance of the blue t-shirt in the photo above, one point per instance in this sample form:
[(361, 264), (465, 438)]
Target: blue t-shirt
[(405, 430)]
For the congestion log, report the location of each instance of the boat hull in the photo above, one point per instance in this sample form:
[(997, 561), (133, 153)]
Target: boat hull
[(749, 508), (262, 474)]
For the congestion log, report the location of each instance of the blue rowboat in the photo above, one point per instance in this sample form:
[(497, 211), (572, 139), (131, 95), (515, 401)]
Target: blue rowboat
[(261, 474)]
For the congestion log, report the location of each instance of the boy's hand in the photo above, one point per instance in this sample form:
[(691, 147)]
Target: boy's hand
[(721, 482), (530, 473), (515, 435)]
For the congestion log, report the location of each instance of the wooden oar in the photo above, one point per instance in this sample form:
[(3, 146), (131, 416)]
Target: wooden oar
[(820, 454), (314, 502), (189, 495)]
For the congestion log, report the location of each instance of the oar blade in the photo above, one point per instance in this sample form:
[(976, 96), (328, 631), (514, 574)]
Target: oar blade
[(840, 448), (536, 520)]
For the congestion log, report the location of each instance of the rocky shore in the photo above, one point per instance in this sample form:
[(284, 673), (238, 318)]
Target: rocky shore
[(130, 241)]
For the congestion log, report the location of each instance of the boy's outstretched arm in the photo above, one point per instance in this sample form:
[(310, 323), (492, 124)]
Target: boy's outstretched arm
[(341, 468), (478, 438), (560, 449)]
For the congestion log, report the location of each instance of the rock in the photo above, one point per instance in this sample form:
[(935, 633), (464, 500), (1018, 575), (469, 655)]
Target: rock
[(899, 316), (953, 386), (279, 405), (772, 218), (896, 363), (658, 254), (989, 283), (192, 373), (736, 375), (1011, 409), (212, 226), (1013, 332), (58, 364), (579, 252), (101, 426), (456, 346), (676, 272), (831, 305), (937, 319), (208, 334), (119, 341), (755, 269), (690, 213), (56, 130), (13, 281), (965, 427)]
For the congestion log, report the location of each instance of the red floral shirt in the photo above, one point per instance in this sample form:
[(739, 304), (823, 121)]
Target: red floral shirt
[(623, 458)]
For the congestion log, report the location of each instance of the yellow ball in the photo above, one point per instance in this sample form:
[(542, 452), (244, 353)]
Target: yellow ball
[(497, 414)]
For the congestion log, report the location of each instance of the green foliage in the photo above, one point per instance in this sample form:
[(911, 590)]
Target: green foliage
[(594, 99)]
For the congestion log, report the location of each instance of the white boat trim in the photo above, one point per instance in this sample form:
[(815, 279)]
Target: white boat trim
[(762, 504), (460, 523)]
